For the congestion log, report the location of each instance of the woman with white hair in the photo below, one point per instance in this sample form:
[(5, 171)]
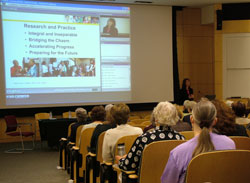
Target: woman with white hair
[(166, 116), (81, 117)]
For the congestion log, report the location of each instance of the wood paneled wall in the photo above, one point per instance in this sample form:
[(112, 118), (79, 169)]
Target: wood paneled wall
[(195, 43)]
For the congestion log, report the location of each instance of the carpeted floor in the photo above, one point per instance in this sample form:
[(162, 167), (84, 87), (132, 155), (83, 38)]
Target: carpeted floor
[(38, 166)]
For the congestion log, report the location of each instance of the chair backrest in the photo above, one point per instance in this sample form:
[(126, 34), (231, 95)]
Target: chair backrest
[(146, 123), (154, 159), (128, 141), (134, 117), (242, 143), (99, 147), (66, 114), (187, 134), (219, 166), (248, 132), (86, 136), (148, 117), (138, 121), (78, 135), (69, 129), (11, 123), (41, 116)]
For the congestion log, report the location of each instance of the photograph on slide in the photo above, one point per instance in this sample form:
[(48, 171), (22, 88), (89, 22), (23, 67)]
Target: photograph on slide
[(54, 67), (115, 26), (81, 19)]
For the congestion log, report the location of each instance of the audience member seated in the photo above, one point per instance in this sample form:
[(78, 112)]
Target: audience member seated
[(188, 106), (108, 124), (120, 114), (240, 112), (97, 116), (226, 121), (166, 116), (203, 119), (181, 126), (81, 117)]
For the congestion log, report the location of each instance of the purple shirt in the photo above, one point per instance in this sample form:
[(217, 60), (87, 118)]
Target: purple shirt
[(180, 157)]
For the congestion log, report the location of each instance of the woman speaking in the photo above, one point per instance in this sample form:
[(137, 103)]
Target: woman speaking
[(186, 92)]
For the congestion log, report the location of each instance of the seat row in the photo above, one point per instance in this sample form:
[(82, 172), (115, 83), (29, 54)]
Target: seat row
[(84, 166)]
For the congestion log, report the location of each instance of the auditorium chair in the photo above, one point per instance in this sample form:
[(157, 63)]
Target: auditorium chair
[(93, 161), (146, 123), (14, 129), (242, 143), (137, 121), (70, 145), (39, 116), (79, 154), (248, 132), (107, 174), (133, 117), (66, 114), (154, 155), (187, 134), (227, 166), (62, 149), (148, 117)]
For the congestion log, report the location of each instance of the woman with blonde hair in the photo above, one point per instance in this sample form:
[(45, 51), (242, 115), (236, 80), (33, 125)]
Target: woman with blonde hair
[(203, 119)]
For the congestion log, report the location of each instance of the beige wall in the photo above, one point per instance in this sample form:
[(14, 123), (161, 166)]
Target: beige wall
[(235, 26), (195, 44)]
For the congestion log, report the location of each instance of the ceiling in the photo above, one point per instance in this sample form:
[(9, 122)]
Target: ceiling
[(170, 2)]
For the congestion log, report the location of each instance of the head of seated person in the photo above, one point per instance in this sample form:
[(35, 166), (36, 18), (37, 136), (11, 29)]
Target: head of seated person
[(107, 109), (225, 119), (166, 114), (239, 109), (203, 119), (98, 114), (81, 115), (180, 114), (181, 125), (119, 114), (188, 106)]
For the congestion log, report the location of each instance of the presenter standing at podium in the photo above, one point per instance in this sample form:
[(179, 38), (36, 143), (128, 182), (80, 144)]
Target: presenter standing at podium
[(186, 92)]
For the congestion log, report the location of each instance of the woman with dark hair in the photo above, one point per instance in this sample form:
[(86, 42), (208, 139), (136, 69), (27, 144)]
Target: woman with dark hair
[(203, 119), (226, 124), (106, 125), (119, 114), (186, 92), (110, 28), (97, 116), (240, 112)]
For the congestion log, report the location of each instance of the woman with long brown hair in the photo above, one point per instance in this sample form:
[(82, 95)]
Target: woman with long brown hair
[(226, 121), (203, 119)]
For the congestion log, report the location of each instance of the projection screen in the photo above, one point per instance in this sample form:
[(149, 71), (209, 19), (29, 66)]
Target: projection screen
[(66, 54)]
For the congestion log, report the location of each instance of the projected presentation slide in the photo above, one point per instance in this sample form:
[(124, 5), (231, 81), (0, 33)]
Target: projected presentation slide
[(65, 53)]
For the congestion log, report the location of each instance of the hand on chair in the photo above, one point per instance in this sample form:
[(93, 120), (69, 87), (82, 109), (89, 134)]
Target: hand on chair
[(117, 158)]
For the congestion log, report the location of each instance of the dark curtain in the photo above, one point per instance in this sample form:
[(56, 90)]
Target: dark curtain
[(175, 58)]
